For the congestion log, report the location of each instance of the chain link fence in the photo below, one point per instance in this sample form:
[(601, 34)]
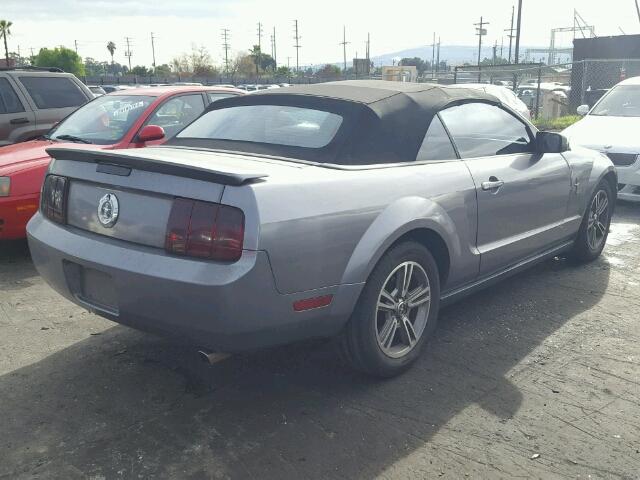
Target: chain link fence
[(550, 91)]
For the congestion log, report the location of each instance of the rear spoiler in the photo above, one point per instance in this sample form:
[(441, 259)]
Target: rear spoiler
[(112, 162)]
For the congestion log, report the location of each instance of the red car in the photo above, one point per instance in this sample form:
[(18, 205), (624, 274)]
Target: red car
[(130, 118)]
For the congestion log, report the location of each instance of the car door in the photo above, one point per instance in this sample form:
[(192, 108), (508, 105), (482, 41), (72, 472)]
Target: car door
[(176, 113), (522, 195), (17, 121)]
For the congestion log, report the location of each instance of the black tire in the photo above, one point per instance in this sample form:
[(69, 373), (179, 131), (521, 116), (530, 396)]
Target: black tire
[(584, 250), (359, 341)]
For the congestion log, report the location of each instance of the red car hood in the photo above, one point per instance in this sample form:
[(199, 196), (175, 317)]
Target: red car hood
[(19, 156)]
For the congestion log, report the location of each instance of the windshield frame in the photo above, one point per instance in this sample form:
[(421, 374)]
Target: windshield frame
[(604, 97), (50, 135)]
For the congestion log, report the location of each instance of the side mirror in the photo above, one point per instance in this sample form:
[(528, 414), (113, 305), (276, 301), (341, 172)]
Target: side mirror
[(150, 133), (583, 110), (549, 142)]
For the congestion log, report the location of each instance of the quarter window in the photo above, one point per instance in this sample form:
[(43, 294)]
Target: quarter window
[(9, 101), (53, 92), (436, 144), (213, 96), (177, 112), (482, 130)]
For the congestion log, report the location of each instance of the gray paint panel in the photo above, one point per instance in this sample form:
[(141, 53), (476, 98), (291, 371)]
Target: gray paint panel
[(142, 217)]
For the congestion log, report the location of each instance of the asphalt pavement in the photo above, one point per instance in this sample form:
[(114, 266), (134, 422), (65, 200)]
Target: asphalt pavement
[(537, 377)]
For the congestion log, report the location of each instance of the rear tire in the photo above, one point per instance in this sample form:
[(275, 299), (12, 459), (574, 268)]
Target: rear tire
[(594, 229), (394, 317)]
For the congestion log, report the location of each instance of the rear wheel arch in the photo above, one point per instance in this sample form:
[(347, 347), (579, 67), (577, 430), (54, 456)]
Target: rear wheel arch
[(433, 242)]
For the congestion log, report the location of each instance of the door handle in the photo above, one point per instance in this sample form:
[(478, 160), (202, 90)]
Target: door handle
[(18, 121), (492, 184)]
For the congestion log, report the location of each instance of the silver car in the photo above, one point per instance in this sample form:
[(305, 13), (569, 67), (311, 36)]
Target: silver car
[(349, 209)]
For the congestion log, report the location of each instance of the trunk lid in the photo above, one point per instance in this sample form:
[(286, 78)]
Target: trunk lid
[(138, 186)]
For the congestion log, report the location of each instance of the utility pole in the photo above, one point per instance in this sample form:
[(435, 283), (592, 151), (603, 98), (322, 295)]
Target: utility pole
[(344, 47), (495, 49), (226, 46), (297, 46), (517, 53), (433, 55), (75, 42), (510, 30), (438, 56), (275, 60), (480, 31), (368, 55), (128, 52), (258, 62), (153, 52)]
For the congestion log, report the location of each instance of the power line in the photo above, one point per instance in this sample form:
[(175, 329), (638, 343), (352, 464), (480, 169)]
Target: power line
[(517, 53), (273, 48), (297, 46), (344, 47), (128, 52), (480, 31), (226, 46), (510, 30), (153, 51)]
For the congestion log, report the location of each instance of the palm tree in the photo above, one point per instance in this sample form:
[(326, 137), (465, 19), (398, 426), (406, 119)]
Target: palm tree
[(5, 25), (256, 54), (112, 48)]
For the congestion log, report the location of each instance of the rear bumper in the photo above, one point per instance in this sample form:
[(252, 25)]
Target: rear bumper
[(15, 212), (226, 307)]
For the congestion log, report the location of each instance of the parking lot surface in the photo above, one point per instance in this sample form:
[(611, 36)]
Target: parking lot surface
[(536, 377)]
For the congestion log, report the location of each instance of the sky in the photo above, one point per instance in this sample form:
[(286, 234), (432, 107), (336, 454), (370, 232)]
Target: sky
[(179, 24)]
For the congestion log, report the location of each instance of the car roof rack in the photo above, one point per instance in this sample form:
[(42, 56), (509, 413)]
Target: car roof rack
[(35, 69)]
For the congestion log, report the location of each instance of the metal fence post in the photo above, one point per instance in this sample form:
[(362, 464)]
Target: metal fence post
[(584, 79), (538, 92), (455, 75)]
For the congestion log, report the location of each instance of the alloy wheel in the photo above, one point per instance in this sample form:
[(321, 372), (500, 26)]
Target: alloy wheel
[(598, 219), (403, 309)]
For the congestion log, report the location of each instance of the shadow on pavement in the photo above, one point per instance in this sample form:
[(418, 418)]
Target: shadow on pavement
[(124, 404)]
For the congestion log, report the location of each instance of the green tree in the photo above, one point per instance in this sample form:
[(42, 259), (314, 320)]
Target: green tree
[(328, 71), (162, 70), (61, 57), (5, 31), (141, 71), (112, 49), (421, 65), (283, 72)]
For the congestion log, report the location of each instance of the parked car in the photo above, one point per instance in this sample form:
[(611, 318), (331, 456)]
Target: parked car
[(350, 209), (504, 94), (123, 119), (611, 127), (32, 100), (97, 90)]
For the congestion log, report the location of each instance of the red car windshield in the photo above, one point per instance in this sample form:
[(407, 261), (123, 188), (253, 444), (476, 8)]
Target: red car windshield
[(103, 121)]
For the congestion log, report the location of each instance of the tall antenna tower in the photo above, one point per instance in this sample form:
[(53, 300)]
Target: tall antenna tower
[(226, 45), (297, 45)]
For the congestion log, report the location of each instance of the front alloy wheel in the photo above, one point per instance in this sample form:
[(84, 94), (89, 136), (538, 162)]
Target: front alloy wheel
[(598, 220)]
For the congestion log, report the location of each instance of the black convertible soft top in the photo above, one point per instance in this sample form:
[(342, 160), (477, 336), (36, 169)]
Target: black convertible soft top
[(383, 122)]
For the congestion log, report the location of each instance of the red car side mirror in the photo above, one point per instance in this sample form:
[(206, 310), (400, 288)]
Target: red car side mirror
[(150, 133)]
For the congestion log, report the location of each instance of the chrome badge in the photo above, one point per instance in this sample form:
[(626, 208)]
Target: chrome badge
[(108, 209)]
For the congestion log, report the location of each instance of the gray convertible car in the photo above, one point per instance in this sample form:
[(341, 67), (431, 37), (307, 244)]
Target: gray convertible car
[(348, 209)]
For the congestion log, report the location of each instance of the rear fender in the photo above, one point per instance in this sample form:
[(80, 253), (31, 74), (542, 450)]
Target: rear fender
[(399, 218)]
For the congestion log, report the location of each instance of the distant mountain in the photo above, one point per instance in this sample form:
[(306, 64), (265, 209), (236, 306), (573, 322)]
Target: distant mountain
[(453, 54)]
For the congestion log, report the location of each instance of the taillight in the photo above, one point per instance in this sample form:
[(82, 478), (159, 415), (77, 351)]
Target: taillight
[(53, 203), (205, 230)]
